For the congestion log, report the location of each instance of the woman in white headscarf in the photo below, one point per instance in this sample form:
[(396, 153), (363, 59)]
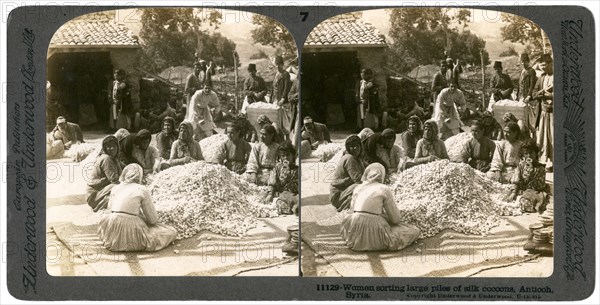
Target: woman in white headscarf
[(374, 223), (133, 224)]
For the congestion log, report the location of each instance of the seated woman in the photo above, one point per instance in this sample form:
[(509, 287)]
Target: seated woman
[(392, 155), (506, 156), (374, 223), (184, 149), (347, 174), (284, 180), (263, 157), (430, 148), (105, 175), (524, 133), (376, 146), (136, 149), (491, 128), (165, 138), (478, 152), (411, 136), (133, 224), (263, 121), (529, 180), (235, 152)]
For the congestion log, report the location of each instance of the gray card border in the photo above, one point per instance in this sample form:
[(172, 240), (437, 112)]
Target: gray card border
[(571, 30)]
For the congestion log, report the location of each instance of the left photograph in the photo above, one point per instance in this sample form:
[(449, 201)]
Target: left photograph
[(171, 145)]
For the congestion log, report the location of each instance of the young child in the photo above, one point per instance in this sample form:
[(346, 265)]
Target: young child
[(284, 187), (529, 180)]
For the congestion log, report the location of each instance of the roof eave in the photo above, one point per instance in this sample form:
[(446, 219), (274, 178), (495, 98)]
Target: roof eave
[(325, 46), (94, 46)]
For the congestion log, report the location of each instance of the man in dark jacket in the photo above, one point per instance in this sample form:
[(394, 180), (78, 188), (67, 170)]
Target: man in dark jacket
[(119, 99), (500, 85)]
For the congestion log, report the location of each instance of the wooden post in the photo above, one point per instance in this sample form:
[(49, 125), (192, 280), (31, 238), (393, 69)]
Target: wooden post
[(483, 100), (235, 83)]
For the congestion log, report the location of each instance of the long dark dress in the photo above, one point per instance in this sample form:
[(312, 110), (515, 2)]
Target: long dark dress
[(345, 178), (104, 177)]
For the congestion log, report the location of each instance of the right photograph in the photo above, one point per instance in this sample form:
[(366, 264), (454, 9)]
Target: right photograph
[(427, 145)]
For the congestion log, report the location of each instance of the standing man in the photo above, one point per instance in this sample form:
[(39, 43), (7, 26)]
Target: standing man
[(197, 79), (439, 82), (282, 84), (119, 98), (449, 102), (199, 112), (368, 101), (527, 82), (500, 85), (544, 94), (255, 88)]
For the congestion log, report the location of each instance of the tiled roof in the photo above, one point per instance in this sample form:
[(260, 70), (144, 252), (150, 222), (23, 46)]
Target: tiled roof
[(345, 32), (93, 33)]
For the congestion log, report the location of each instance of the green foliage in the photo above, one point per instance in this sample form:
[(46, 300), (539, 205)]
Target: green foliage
[(259, 55), (509, 52), (172, 37), (521, 30), (422, 36), (272, 33)]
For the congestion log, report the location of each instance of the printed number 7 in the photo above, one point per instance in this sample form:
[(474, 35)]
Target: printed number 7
[(304, 16)]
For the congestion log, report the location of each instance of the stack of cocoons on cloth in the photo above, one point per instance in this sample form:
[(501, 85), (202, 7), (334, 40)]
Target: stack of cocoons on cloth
[(326, 152), (211, 147), (444, 195), (456, 144), (263, 105), (79, 152), (201, 196)]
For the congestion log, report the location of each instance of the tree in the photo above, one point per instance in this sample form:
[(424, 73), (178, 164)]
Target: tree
[(522, 30), (171, 37), (421, 36), (272, 33), (509, 52)]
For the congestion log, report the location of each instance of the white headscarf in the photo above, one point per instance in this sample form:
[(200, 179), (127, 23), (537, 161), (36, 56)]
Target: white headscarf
[(375, 172), (132, 173)]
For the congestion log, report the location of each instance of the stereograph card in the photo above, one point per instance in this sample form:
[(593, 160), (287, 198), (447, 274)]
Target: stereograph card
[(294, 152)]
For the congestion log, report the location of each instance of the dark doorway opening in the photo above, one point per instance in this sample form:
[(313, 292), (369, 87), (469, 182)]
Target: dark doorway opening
[(79, 84), (329, 82)]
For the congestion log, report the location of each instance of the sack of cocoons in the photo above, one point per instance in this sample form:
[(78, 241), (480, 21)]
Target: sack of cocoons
[(263, 105), (326, 151), (445, 195), (202, 196)]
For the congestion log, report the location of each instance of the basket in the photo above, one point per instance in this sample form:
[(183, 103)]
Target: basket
[(521, 112), (252, 115)]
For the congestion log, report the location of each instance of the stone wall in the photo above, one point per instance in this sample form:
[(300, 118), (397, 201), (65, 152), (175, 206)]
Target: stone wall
[(374, 58), (128, 59)]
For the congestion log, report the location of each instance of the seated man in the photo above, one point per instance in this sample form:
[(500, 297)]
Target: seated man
[(313, 135), (68, 133)]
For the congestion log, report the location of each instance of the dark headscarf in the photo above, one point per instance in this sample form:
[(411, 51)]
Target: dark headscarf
[(417, 121), (387, 134), (270, 130), (108, 140), (369, 148), (142, 135), (171, 121), (350, 139)]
